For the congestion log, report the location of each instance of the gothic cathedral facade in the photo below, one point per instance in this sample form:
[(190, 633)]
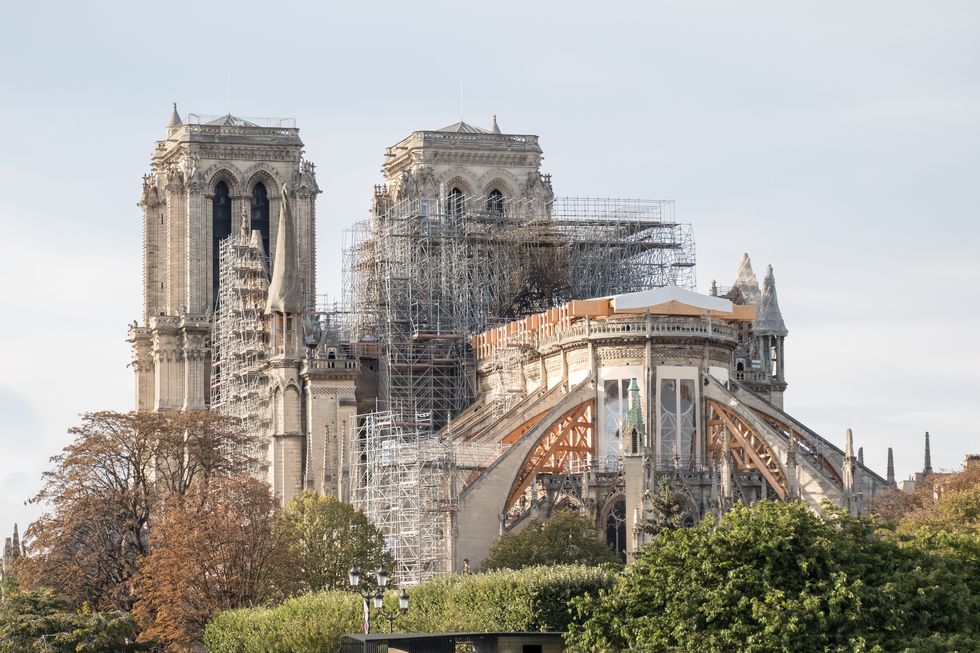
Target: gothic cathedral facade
[(209, 181)]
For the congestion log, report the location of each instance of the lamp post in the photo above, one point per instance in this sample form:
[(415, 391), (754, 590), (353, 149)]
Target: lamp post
[(377, 598), (391, 615)]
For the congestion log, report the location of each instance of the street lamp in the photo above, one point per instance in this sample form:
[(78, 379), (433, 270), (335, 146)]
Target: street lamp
[(377, 598), (391, 615)]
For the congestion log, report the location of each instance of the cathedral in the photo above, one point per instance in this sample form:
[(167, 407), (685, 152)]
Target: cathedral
[(502, 353)]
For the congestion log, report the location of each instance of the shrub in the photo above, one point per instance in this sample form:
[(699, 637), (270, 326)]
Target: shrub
[(305, 624), (532, 599), (568, 538)]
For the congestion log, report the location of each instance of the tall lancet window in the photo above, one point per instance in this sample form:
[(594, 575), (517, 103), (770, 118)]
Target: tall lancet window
[(495, 203), (456, 203), (260, 214), (221, 228)]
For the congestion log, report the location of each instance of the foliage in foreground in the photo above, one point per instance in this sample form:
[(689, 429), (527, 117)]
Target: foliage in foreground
[(567, 538), (328, 537), (776, 577), (533, 599), (38, 621), (228, 546), (119, 467), (218, 549)]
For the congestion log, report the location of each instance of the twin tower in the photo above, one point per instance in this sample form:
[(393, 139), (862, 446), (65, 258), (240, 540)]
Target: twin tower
[(229, 283), (223, 194)]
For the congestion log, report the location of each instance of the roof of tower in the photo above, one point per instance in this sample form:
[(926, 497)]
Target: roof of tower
[(175, 120), (746, 281), (229, 120), (770, 319), (285, 293), (665, 295), (466, 128)]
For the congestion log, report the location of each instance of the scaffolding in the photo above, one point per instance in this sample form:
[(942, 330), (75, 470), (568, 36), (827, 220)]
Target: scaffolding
[(424, 277), (426, 274), (238, 340), (407, 491)]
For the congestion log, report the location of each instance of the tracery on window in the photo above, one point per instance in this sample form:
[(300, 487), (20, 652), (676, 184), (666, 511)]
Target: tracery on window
[(678, 422), (616, 528), (495, 202), (456, 200), (220, 229), (260, 214)]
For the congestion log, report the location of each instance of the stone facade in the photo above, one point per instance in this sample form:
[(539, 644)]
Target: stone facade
[(210, 180), (252, 165), (475, 161)]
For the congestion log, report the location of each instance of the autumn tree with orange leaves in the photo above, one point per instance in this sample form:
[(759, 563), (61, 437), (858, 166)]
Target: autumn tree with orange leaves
[(218, 549), (107, 485)]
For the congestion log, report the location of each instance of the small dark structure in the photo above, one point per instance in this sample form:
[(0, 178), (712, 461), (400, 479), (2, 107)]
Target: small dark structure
[(453, 643)]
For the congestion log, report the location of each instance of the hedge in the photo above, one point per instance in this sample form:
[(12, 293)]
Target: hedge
[(531, 599)]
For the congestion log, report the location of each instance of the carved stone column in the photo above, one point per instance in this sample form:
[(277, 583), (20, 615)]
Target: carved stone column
[(194, 333), (167, 363), (142, 341)]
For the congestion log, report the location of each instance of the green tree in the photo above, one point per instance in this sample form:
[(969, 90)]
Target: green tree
[(777, 577), (38, 621), (328, 537), (668, 510), (567, 538)]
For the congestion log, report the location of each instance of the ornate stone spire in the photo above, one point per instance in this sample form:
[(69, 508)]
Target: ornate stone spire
[(847, 475), (175, 122), (494, 129), (792, 473), (726, 467), (633, 429), (927, 465), (769, 321), (860, 455), (16, 542), (746, 282), (891, 467), (285, 292)]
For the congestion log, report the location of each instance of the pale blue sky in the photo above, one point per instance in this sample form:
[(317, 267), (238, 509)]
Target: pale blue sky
[(838, 141)]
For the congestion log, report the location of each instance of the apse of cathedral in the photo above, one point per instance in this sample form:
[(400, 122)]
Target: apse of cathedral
[(502, 353)]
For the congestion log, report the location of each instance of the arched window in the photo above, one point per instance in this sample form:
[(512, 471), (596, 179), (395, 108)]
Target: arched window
[(616, 528), (456, 202), (221, 229), (495, 202), (260, 214)]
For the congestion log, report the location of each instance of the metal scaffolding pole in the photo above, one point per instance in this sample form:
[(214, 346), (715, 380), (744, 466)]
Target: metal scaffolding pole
[(238, 341)]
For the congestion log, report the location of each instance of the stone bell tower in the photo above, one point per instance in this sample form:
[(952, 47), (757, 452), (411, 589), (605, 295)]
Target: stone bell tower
[(476, 169), (204, 175)]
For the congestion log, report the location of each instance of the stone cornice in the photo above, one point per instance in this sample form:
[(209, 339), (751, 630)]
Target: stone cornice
[(284, 363), (166, 323), (344, 390)]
